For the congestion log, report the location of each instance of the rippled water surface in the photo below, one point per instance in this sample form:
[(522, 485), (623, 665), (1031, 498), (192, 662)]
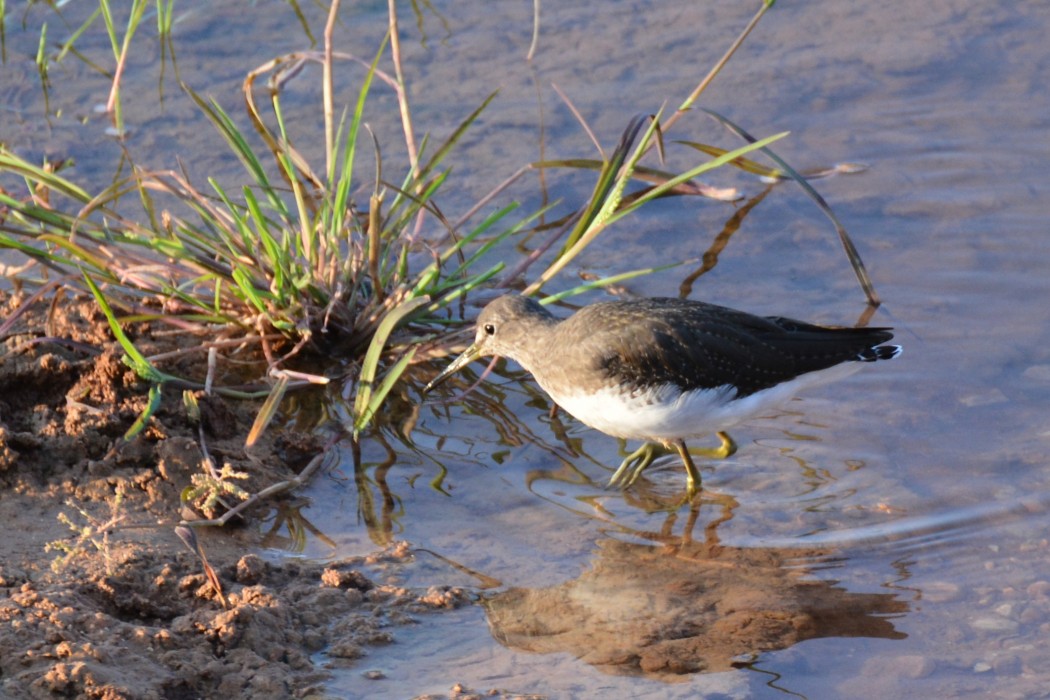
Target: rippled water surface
[(883, 536)]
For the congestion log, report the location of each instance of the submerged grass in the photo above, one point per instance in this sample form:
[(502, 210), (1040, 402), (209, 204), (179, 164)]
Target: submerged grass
[(296, 260)]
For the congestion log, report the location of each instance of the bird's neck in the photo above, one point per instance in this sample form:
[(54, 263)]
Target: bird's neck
[(542, 348)]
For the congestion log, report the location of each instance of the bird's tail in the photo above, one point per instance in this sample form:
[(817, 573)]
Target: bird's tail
[(880, 352)]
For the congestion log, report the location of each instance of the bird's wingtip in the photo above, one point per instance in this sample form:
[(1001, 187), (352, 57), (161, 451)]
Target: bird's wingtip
[(880, 352)]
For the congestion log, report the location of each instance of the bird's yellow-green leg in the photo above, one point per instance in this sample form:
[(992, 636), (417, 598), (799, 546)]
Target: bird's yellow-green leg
[(726, 449), (692, 474), (635, 464)]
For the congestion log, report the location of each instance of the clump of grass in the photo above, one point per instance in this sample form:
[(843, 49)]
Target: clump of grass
[(294, 260), (290, 262), (290, 259)]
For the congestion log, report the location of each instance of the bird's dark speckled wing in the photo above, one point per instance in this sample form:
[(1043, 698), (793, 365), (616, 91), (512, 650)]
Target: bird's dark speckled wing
[(700, 346)]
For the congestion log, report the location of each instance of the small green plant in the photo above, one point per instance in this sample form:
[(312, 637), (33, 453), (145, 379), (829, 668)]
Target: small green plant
[(207, 489), (90, 534)]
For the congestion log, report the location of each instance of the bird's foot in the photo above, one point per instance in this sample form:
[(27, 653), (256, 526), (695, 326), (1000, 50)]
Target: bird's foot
[(636, 463)]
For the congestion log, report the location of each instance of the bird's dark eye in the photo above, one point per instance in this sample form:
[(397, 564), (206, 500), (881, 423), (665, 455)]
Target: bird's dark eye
[(490, 329)]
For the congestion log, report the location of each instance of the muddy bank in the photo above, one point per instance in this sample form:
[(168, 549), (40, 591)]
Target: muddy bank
[(98, 596)]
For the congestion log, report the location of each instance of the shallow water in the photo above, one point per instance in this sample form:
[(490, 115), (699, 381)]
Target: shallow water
[(922, 481), (912, 496)]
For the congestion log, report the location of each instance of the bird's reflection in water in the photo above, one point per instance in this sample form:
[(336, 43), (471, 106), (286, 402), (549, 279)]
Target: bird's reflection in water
[(680, 606), (663, 604)]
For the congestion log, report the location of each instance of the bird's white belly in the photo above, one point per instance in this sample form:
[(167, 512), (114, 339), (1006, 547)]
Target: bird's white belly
[(664, 413)]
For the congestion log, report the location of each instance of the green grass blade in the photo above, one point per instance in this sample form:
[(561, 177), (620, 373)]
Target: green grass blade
[(12, 163), (143, 418), (745, 164), (379, 395), (133, 358), (625, 173), (666, 187), (466, 286), (67, 45), (366, 381), (611, 279), (607, 179), (241, 148), (342, 190), (267, 411), (607, 196)]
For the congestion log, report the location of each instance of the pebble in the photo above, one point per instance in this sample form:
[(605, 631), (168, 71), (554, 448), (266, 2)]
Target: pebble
[(914, 666), (905, 666), (1031, 615), (984, 398), (940, 592), (989, 623), (1039, 373), (1039, 589)]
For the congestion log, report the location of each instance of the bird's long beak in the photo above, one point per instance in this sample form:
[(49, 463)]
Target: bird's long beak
[(469, 355)]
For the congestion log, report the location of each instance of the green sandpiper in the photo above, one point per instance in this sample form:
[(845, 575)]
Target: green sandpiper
[(666, 370)]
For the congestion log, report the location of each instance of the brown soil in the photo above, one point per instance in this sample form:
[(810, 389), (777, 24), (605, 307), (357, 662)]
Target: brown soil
[(125, 610)]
